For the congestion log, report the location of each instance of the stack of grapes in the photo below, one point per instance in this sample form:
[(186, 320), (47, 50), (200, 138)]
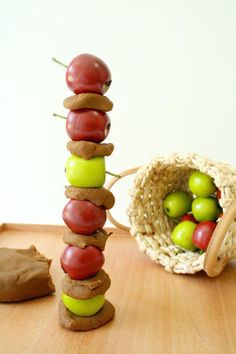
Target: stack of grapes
[(83, 304), (197, 212)]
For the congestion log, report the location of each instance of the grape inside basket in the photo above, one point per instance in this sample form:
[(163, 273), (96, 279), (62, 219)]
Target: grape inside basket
[(152, 228)]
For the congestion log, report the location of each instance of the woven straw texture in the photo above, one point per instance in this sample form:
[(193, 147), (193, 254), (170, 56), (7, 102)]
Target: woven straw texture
[(152, 228)]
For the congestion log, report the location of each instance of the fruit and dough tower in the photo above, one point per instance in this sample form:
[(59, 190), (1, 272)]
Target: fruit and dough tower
[(83, 305)]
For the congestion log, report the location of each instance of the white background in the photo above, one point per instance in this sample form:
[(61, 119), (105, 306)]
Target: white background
[(173, 64)]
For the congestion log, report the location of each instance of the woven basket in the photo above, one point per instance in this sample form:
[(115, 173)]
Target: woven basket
[(152, 228)]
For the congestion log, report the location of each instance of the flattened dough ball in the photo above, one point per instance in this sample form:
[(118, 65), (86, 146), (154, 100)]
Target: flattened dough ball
[(24, 274), (78, 323)]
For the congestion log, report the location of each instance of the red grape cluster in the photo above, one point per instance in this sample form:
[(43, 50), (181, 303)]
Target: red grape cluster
[(87, 125)]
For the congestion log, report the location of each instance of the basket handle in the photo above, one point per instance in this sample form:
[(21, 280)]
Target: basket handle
[(212, 265), (109, 185)]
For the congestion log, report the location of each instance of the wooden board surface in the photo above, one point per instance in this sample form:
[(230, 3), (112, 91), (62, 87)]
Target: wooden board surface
[(156, 312)]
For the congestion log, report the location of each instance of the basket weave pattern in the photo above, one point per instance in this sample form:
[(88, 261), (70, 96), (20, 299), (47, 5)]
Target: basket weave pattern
[(152, 228)]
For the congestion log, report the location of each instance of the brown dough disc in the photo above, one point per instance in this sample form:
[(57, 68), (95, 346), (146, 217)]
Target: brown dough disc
[(88, 100), (86, 288), (98, 196), (78, 323), (24, 274), (98, 239), (87, 149)]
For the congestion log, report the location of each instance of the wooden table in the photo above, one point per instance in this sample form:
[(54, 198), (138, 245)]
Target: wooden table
[(156, 312)]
